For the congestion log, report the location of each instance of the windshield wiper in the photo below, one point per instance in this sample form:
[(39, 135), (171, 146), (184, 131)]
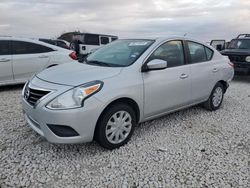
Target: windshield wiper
[(100, 63)]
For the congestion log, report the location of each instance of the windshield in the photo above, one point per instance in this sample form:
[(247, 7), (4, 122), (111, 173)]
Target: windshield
[(239, 44), (120, 53)]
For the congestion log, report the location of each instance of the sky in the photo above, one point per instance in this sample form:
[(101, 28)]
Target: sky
[(200, 19)]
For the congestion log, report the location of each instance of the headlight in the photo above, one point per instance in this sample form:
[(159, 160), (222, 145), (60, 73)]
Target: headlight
[(24, 88), (248, 59), (75, 97)]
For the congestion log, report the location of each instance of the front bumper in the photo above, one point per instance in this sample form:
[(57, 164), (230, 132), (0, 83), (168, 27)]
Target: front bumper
[(82, 120)]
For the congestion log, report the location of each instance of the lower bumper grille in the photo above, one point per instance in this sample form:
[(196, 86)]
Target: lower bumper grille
[(62, 130)]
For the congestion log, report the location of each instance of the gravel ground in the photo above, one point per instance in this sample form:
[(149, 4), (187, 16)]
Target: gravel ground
[(190, 148)]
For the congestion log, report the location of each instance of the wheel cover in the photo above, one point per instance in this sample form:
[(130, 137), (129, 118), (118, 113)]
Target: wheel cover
[(217, 96), (118, 127)]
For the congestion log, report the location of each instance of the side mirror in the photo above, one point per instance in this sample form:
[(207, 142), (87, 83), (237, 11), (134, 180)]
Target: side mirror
[(155, 64)]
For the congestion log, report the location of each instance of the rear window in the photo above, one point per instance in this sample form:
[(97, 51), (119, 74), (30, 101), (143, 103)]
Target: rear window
[(21, 47), (61, 43), (48, 41), (214, 43), (67, 36), (5, 47)]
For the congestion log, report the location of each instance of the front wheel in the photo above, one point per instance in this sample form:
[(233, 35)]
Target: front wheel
[(115, 126), (215, 100)]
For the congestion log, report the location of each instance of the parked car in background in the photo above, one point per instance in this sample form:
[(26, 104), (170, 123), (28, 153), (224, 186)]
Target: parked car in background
[(122, 84), (218, 44), (57, 42), (20, 58), (238, 52), (88, 42)]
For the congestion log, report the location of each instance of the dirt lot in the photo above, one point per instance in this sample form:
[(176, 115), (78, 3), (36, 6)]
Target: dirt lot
[(190, 148)]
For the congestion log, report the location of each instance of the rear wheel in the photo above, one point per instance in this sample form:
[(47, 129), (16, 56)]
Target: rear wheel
[(215, 100), (116, 126)]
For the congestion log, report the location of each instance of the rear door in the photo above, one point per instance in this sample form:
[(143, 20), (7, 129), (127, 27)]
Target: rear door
[(29, 58), (6, 73), (202, 68)]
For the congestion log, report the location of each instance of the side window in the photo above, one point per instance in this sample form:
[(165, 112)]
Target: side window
[(5, 47), (197, 52), (21, 47), (91, 39), (172, 52), (209, 53), (104, 40)]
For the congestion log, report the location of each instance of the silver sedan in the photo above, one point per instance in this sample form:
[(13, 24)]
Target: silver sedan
[(122, 84)]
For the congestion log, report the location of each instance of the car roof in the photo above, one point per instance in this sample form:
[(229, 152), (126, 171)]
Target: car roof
[(246, 38), (162, 39), (83, 33)]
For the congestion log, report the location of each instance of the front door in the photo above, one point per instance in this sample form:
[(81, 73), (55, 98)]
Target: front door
[(168, 89)]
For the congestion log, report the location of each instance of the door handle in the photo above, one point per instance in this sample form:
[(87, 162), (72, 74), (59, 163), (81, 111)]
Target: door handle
[(43, 56), (215, 70), (183, 76), (4, 60)]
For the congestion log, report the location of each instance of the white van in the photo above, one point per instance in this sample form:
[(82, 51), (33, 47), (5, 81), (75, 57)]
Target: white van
[(89, 42)]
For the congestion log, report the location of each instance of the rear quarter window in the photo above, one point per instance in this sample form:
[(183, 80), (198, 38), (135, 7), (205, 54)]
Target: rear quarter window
[(209, 53)]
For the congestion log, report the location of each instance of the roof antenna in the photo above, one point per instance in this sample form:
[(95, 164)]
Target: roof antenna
[(185, 34)]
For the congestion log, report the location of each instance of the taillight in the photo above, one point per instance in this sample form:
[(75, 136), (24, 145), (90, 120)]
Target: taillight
[(73, 55), (231, 64)]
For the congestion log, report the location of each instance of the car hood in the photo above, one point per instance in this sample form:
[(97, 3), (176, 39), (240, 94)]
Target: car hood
[(235, 52), (74, 74)]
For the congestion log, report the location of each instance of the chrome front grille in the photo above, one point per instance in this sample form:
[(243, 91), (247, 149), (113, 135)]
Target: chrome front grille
[(32, 95)]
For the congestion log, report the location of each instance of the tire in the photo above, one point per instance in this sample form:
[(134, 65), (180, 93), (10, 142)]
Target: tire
[(215, 100), (112, 133)]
